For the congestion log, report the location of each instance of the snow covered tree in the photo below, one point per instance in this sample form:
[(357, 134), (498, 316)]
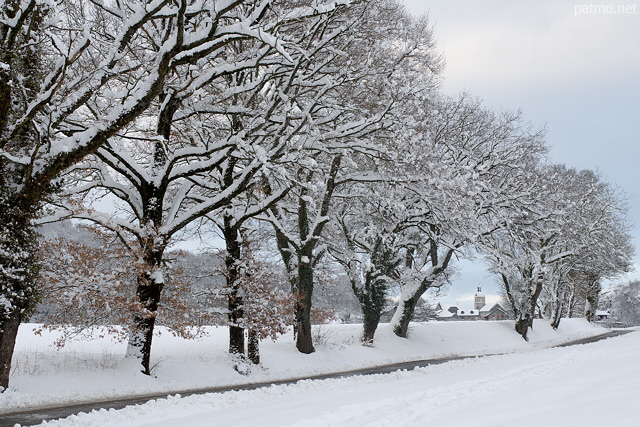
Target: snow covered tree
[(369, 249), (259, 308), (379, 56), (559, 293), (187, 168), (606, 251), (574, 234), (215, 134), (88, 285), (462, 169), (623, 302), (73, 75), (238, 252), (85, 280)]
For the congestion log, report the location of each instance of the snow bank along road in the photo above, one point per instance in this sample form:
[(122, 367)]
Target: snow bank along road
[(572, 386), (31, 418)]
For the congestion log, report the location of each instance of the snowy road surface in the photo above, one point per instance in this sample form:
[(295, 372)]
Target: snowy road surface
[(593, 384)]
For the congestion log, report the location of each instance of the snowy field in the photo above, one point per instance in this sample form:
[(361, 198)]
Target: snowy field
[(594, 384), (536, 386)]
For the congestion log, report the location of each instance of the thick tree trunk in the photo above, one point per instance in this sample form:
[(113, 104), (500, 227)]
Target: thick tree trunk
[(590, 312), (253, 347), (555, 323), (310, 237), (571, 305), (148, 295), (372, 303), (234, 301), (558, 309), (593, 295), (18, 270), (404, 313), (8, 334), (148, 291), (525, 320), (236, 336), (370, 325), (523, 323), (302, 319)]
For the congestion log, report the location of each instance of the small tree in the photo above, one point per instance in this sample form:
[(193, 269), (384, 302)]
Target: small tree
[(260, 309), (86, 284)]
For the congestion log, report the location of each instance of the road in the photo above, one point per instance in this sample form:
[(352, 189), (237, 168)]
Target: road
[(32, 417)]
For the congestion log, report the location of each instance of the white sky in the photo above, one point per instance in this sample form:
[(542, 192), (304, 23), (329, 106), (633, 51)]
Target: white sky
[(572, 69)]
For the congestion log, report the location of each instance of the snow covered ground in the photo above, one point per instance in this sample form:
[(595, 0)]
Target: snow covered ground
[(595, 384), (535, 386)]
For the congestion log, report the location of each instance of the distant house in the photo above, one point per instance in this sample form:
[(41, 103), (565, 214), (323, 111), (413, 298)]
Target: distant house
[(469, 314), (447, 312), (493, 312), (480, 311), (602, 315)]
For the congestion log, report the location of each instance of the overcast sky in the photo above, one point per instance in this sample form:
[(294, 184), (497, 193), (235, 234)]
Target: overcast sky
[(572, 67)]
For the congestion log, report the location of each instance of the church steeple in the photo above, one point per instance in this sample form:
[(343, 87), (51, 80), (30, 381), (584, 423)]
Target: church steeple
[(479, 300)]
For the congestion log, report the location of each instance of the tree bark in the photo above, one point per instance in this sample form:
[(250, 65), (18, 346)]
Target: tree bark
[(148, 295), (371, 300), (590, 312), (235, 304), (18, 269), (555, 323), (525, 320), (406, 309), (523, 323), (370, 325), (253, 347), (236, 333), (302, 319), (148, 291), (592, 296), (8, 334), (559, 307)]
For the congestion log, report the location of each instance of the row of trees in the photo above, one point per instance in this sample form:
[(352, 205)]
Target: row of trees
[(321, 119), (623, 302), (571, 238)]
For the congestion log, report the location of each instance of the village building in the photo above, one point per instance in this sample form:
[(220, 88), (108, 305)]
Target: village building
[(481, 310)]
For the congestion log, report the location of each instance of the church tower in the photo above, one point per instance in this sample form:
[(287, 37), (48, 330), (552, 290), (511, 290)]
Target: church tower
[(479, 299)]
